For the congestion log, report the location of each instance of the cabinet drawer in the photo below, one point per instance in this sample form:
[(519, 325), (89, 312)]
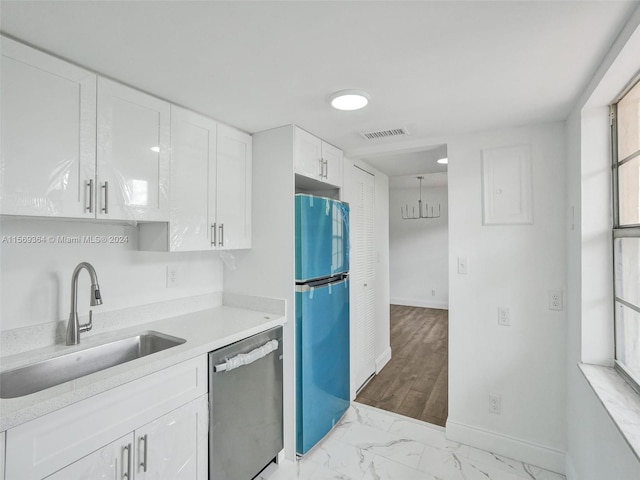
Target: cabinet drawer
[(44, 445)]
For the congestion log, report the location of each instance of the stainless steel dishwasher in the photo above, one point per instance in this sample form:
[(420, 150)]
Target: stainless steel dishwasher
[(245, 399)]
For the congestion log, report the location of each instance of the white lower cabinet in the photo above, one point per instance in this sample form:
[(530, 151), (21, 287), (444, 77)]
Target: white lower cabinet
[(109, 462), (152, 428), (173, 447)]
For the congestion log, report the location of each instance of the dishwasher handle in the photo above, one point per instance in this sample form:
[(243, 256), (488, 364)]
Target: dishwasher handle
[(247, 358)]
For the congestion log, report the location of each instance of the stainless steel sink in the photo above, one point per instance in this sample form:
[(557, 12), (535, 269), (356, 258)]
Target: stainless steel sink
[(57, 370)]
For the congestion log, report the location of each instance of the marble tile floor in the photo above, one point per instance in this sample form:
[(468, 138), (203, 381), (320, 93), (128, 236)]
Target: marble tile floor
[(372, 444)]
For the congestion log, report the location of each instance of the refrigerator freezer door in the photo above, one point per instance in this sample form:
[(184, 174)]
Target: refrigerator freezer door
[(322, 356), (322, 237)]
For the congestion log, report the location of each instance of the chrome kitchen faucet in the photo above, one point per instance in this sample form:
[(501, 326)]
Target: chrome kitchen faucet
[(73, 327)]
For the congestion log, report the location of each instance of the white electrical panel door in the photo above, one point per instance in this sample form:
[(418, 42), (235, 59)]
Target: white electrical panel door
[(133, 154), (332, 158), (233, 189), (112, 461), (48, 142), (193, 195), (507, 186), (307, 155), (362, 273)]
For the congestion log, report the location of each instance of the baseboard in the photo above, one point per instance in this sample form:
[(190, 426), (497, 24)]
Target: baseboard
[(512, 447), (383, 359), (412, 302)]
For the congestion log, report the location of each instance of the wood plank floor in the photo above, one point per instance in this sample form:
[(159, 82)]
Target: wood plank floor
[(415, 382)]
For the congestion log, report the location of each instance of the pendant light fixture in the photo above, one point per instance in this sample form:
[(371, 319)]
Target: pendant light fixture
[(404, 211)]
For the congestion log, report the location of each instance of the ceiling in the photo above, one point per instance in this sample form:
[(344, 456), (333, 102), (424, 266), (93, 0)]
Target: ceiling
[(422, 161), (435, 68), (411, 181)]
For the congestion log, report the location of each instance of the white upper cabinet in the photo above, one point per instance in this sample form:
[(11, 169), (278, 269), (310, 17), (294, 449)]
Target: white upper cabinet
[(315, 158), (48, 134), (193, 177), (332, 158), (233, 189), (210, 188), (133, 154), (307, 154)]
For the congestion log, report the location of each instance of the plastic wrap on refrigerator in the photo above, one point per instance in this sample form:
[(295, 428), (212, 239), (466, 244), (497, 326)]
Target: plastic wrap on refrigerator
[(322, 237)]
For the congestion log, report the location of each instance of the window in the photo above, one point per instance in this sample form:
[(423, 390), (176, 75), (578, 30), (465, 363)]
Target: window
[(626, 232)]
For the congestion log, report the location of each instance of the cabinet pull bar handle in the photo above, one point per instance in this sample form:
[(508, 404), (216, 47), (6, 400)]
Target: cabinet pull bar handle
[(213, 234), (222, 234), (126, 474), (143, 463), (321, 168), (326, 168), (105, 209), (90, 185)]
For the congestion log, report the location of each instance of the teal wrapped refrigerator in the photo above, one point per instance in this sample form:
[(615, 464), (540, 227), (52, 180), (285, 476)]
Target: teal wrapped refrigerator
[(322, 317)]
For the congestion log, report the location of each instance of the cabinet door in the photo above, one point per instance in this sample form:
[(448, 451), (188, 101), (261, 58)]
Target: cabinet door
[(332, 157), (233, 209), (113, 461), (193, 168), (175, 445), (133, 154), (307, 154), (48, 134)]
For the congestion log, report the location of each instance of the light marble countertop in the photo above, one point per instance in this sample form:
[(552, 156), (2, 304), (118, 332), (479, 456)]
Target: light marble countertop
[(203, 331)]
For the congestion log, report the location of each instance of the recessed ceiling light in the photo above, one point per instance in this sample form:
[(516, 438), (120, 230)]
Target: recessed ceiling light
[(349, 99), (443, 161), (155, 149)]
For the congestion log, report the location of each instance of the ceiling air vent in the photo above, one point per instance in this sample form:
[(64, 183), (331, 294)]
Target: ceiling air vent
[(392, 132)]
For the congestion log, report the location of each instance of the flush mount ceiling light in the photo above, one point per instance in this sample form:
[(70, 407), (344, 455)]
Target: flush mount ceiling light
[(349, 99), (443, 161)]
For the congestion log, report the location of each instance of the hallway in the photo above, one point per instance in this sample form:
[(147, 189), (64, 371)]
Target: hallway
[(414, 383)]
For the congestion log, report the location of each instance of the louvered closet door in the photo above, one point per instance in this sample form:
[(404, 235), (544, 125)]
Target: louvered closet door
[(362, 279)]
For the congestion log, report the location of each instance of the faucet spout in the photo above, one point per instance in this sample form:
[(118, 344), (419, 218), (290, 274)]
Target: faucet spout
[(73, 326)]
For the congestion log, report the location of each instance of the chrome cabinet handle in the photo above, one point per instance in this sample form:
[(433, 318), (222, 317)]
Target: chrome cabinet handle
[(90, 185), (222, 234), (326, 169), (105, 209), (321, 167), (143, 463), (213, 234), (126, 474)]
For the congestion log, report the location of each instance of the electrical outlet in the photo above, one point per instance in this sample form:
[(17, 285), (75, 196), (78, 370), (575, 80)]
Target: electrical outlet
[(504, 318), (555, 300), (495, 404), (463, 265), (172, 276)]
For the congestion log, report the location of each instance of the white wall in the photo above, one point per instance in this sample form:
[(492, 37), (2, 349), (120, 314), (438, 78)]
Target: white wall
[(511, 266), (596, 449), (419, 249), (382, 290), (36, 278)]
